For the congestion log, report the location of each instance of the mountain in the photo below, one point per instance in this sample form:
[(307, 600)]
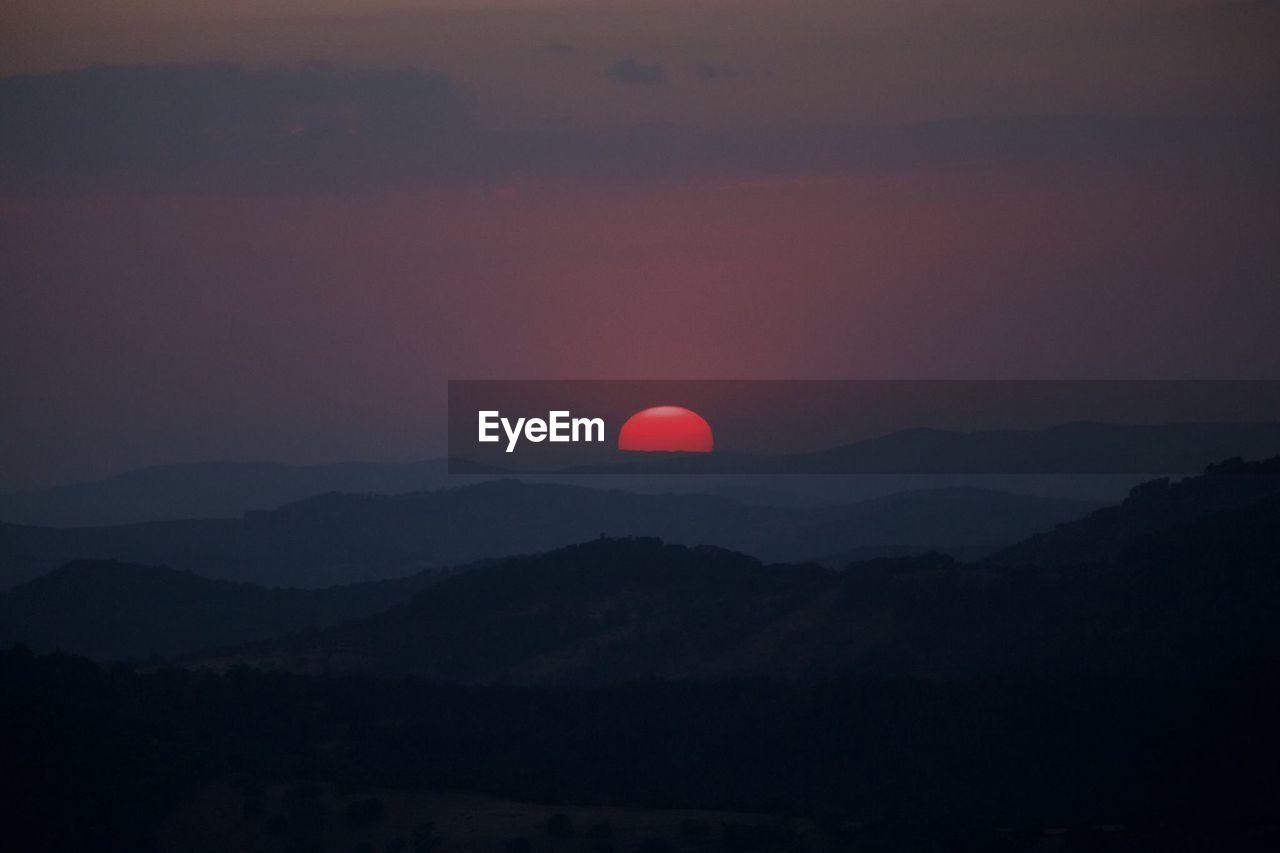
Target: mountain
[(568, 609), (344, 538), (230, 489), (1196, 597), (1151, 507), (1200, 601), (1080, 448), (1072, 448), (124, 610), (208, 490)]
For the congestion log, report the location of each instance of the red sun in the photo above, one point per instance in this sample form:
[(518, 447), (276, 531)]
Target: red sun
[(669, 428)]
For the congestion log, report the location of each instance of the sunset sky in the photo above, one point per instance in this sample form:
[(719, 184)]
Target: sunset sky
[(273, 229)]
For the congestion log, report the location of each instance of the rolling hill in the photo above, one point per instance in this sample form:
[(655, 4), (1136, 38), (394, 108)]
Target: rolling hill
[(1068, 449), (1193, 593), (1201, 600), (345, 538), (208, 490), (1151, 507), (230, 489), (1078, 456)]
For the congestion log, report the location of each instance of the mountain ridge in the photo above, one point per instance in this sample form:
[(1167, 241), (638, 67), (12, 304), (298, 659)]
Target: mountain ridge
[(341, 538), (1073, 448), (1151, 507), (210, 489), (1193, 595), (1164, 596)]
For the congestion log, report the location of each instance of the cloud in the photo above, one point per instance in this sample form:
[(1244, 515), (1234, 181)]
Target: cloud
[(706, 71), (317, 127), (637, 73), (167, 121), (559, 48)]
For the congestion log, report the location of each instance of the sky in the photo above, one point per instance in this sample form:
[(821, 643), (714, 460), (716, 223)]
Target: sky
[(274, 229)]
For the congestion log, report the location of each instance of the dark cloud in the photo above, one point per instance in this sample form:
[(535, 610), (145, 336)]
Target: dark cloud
[(637, 73), (173, 121), (192, 127), (559, 48)]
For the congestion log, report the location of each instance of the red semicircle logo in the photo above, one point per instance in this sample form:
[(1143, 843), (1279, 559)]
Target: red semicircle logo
[(666, 428)]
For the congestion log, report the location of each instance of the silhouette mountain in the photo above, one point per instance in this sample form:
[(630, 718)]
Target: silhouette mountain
[(344, 538), (1151, 507), (123, 610), (230, 489), (1194, 598), (1066, 449), (1072, 448)]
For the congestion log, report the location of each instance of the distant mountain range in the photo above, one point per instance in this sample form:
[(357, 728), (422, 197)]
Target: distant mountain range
[(1075, 456), (344, 538), (209, 490), (1195, 597), (1068, 449), (230, 489), (1178, 580)]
